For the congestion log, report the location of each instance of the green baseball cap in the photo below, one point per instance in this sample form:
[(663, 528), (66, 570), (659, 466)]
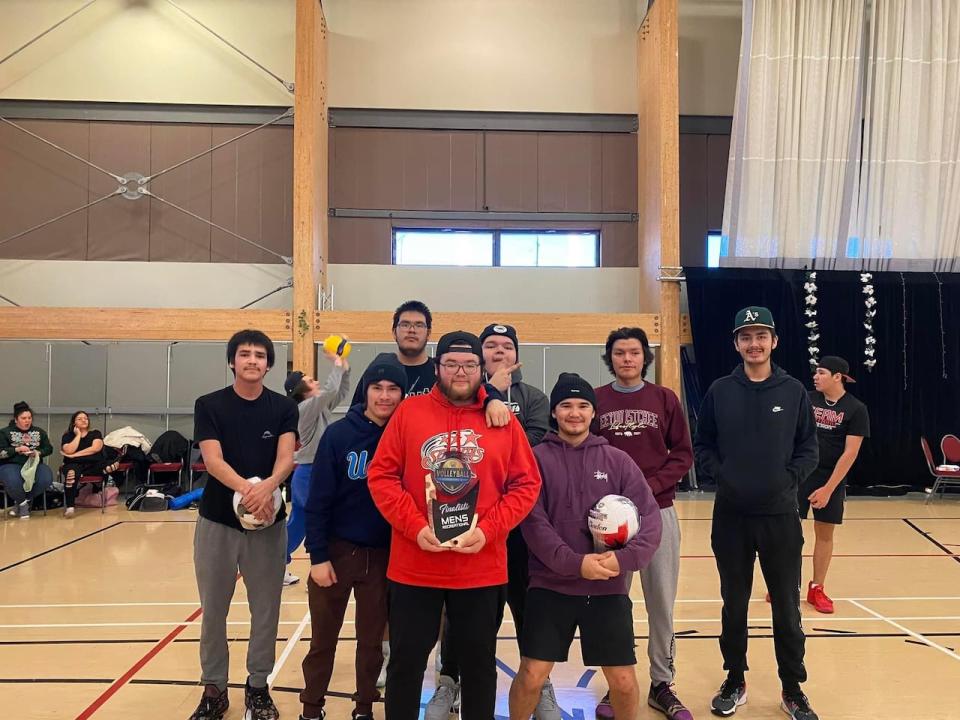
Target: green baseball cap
[(754, 316)]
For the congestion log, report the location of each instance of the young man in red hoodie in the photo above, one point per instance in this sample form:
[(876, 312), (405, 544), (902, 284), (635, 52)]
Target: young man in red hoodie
[(646, 421), (571, 585), (429, 438)]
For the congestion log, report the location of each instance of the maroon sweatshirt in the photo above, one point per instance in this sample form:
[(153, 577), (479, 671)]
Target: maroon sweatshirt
[(649, 426)]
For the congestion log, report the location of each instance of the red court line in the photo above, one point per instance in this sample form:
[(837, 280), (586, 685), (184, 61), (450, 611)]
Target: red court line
[(137, 667)]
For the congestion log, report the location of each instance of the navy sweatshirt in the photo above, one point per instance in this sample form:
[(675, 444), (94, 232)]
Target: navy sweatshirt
[(757, 440), (339, 505)]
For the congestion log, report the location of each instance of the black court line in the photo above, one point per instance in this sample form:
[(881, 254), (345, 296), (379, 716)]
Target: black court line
[(850, 519), (60, 547), (927, 535), (683, 635), (917, 642)]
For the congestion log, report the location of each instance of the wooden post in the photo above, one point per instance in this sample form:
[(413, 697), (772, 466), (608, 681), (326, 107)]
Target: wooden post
[(310, 159), (658, 185)]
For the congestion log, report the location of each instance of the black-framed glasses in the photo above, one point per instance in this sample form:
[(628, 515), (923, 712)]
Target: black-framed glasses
[(406, 325), (469, 368)]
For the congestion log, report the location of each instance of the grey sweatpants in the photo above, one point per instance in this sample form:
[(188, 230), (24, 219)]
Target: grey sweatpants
[(219, 552), (659, 583)]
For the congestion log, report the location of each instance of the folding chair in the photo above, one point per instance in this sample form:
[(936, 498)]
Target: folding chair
[(942, 475), (93, 480), (950, 447)]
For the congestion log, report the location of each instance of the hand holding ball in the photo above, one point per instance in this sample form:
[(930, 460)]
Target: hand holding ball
[(337, 345), (248, 520)]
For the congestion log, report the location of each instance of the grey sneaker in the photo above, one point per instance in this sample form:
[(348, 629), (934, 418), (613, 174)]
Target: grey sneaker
[(547, 708), (443, 700), (731, 696), (23, 510), (796, 705)]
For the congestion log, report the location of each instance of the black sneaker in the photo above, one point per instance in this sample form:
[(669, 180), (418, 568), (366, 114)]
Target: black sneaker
[(796, 705), (362, 716), (211, 707), (731, 696), (321, 716), (259, 704)]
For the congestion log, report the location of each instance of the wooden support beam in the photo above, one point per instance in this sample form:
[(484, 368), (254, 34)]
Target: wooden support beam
[(149, 324), (310, 159), (78, 323), (658, 186)]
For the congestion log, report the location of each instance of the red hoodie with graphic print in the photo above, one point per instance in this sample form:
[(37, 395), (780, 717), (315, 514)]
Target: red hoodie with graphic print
[(423, 429)]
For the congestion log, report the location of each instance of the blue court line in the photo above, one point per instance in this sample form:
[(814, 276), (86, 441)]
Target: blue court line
[(586, 678), (577, 712)]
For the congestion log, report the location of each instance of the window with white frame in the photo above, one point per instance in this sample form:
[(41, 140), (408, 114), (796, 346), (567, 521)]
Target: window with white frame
[(496, 248)]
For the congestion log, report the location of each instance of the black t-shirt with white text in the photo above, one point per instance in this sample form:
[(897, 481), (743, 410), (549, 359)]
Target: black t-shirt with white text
[(248, 432), (420, 380), (848, 416)]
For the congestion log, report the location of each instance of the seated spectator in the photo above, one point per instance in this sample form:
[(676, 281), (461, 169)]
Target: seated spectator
[(82, 455), (21, 442)]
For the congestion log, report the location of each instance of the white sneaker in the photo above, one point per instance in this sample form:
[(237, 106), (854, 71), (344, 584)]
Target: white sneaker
[(382, 677), (290, 579), (547, 707), (443, 701), (69, 512), (23, 510)]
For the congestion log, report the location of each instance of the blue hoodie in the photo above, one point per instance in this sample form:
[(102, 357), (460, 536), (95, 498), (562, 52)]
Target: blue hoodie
[(574, 478), (339, 505)]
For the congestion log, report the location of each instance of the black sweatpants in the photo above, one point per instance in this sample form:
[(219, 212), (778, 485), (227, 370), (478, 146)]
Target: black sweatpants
[(737, 540), (474, 616), (518, 578)]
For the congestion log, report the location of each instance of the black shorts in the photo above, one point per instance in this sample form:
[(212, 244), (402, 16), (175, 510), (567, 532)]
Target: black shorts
[(551, 620), (833, 511)]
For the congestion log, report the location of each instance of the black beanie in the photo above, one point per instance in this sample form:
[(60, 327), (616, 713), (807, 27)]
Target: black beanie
[(503, 331), (383, 368), (571, 385)]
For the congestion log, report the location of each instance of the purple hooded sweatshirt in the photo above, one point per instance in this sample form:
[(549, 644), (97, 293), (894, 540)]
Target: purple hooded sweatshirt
[(574, 478)]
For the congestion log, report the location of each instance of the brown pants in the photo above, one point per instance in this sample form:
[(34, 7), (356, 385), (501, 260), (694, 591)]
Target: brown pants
[(364, 571)]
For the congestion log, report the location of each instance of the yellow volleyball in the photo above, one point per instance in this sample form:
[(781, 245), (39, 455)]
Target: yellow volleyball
[(337, 345)]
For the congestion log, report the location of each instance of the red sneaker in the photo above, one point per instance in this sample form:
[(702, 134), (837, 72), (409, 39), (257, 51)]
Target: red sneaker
[(818, 598)]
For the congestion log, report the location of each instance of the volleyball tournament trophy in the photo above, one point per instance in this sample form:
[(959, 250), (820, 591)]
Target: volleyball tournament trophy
[(451, 486)]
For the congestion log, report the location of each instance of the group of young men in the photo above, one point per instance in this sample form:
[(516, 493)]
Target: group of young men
[(529, 468)]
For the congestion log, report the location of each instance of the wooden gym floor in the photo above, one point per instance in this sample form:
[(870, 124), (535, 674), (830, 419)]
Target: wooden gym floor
[(99, 618)]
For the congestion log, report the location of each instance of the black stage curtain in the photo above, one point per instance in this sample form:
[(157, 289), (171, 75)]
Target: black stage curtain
[(913, 391)]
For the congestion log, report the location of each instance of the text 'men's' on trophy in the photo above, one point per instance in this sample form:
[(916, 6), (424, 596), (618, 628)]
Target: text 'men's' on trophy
[(451, 485)]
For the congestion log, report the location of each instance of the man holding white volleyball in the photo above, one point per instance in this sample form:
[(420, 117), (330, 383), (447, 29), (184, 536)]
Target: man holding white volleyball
[(247, 435), (572, 584)]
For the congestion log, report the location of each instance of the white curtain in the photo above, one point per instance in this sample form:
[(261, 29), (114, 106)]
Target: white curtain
[(796, 132), (906, 212)]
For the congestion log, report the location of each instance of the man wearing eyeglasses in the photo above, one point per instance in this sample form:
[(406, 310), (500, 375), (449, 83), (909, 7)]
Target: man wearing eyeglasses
[(412, 323), (442, 439)]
